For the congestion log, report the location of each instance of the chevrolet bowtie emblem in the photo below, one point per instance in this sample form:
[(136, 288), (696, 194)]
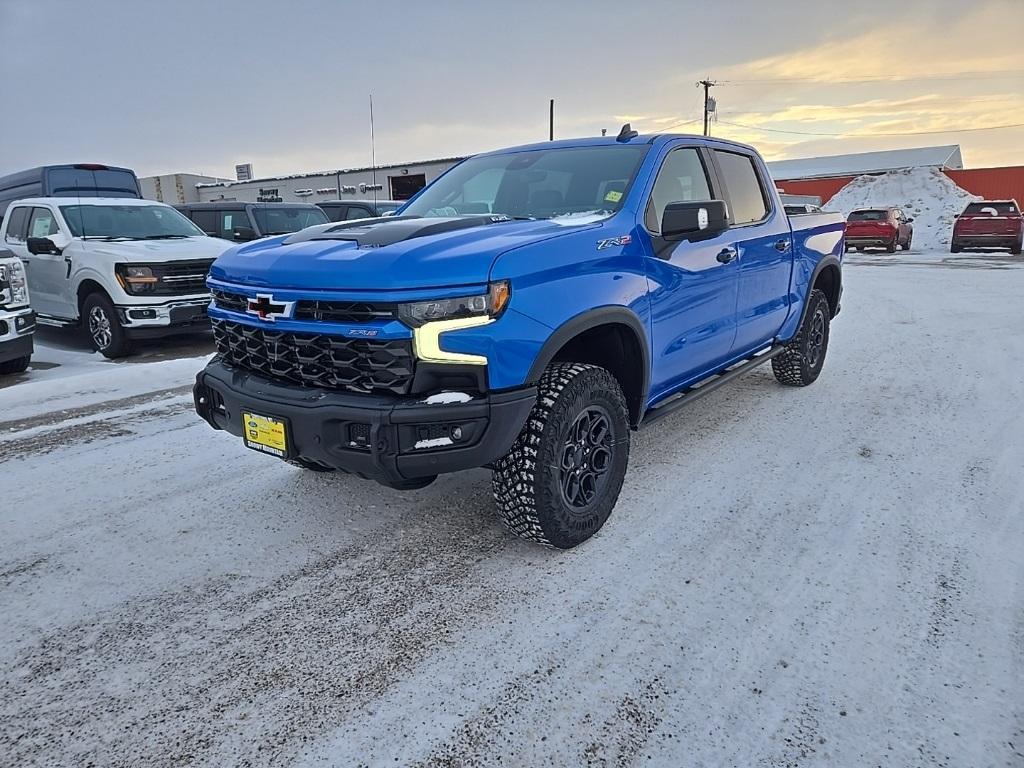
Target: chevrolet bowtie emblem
[(265, 308)]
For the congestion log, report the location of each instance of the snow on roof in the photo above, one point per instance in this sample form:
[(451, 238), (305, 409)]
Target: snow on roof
[(947, 156)]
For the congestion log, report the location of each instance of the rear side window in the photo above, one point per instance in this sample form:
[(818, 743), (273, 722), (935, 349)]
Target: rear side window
[(333, 212), (682, 179), (16, 225), (42, 223), (991, 209), (231, 219), (357, 212), (206, 221), (746, 195)]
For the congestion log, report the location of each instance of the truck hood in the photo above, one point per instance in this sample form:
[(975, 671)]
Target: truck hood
[(155, 251), (389, 253)]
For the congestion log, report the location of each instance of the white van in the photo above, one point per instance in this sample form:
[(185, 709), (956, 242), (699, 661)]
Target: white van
[(125, 269)]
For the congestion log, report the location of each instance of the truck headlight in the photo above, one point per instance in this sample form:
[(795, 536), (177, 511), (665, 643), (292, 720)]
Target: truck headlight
[(135, 278), (489, 304), (429, 319), (18, 282)]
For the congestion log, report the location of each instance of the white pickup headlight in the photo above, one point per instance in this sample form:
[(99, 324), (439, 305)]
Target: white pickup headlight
[(19, 285)]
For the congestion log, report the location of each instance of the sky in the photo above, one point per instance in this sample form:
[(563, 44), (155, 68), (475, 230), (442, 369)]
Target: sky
[(198, 86)]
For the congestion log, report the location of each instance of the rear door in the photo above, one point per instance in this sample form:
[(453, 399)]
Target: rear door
[(692, 284), (763, 241)]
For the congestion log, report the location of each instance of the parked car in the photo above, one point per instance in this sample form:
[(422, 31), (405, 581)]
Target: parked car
[(79, 180), (126, 269), (344, 210), (17, 320), (241, 222), (615, 280), (989, 224), (879, 228)]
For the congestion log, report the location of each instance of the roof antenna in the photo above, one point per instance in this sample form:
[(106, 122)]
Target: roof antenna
[(373, 154), (626, 133)]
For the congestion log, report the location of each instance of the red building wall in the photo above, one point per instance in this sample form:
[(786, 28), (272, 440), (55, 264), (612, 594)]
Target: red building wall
[(1005, 183)]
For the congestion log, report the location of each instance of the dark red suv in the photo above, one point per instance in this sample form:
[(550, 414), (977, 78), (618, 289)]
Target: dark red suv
[(879, 228), (989, 224)]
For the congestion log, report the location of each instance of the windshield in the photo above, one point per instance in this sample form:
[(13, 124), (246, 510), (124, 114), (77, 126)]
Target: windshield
[(284, 221), (535, 184), (869, 216), (130, 222), (991, 209)]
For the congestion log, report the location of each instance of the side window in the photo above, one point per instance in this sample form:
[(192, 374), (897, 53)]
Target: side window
[(42, 223), (334, 212), (205, 220), (682, 179), (17, 225), (746, 194), (231, 219), (357, 212)]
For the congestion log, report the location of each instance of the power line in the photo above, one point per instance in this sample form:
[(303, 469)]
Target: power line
[(904, 133), (997, 75)]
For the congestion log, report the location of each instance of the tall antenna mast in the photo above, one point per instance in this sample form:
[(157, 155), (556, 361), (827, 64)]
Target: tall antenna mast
[(373, 154)]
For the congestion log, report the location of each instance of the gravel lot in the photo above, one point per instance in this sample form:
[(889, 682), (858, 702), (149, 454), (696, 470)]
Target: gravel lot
[(831, 576)]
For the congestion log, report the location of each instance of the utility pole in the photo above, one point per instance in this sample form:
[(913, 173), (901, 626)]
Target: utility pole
[(551, 120), (707, 88)]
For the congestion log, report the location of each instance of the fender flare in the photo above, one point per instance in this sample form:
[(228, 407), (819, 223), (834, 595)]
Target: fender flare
[(829, 260), (592, 318)]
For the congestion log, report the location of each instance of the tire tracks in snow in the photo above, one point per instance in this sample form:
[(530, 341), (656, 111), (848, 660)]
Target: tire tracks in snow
[(224, 674)]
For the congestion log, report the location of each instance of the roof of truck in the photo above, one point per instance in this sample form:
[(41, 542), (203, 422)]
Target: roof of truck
[(85, 201), (599, 141)]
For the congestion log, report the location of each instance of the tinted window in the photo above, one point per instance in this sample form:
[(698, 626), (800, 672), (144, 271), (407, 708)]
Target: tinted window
[(333, 212), (990, 209), (868, 216), (227, 221), (284, 221), (17, 219), (535, 184), (746, 196), (682, 179), (42, 223), (358, 212), (206, 221), (68, 182)]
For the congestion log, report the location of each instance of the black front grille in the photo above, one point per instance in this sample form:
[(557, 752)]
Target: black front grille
[(344, 311), (317, 360), (181, 278), (235, 302)]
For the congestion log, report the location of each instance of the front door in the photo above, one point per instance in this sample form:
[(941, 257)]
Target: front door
[(692, 284), (48, 274)]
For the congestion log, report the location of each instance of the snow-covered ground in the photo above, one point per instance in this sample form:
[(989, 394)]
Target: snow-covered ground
[(926, 195), (831, 576)]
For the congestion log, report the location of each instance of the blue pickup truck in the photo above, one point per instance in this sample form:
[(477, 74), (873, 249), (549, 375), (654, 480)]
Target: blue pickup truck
[(524, 312)]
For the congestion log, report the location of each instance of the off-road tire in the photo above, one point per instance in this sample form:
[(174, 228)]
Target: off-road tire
[(17, 365), (528, 481), (95, 308), (798, 366), (312, 466)]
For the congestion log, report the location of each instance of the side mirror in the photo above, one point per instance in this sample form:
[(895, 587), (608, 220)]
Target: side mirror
[(42, 245), (244, 233), (908, 220), (694, 220), (956, 216)]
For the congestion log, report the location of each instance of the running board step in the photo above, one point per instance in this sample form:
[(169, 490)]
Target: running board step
[(709, 385), (55, 322)]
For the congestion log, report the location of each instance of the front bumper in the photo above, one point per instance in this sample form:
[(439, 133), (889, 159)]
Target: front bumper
[(394, 440), (16, 329), (143, 321)]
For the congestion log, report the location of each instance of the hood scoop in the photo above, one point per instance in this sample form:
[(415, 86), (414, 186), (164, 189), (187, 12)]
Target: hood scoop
[(391, 230)]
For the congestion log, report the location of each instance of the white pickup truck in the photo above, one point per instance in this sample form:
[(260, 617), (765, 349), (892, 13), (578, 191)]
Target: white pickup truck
[(17, 320), (125, 269)]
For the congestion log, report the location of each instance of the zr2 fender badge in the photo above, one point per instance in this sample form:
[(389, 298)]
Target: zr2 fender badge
[(613, 241)]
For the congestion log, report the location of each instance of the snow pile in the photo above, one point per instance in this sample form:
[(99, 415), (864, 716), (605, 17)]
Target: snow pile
[(926, 195)]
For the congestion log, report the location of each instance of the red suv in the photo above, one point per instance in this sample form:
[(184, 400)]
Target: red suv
[(879, 228), (989, 224)]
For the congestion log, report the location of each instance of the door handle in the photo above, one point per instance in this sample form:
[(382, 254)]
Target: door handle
[(782, 246), (726, 255)]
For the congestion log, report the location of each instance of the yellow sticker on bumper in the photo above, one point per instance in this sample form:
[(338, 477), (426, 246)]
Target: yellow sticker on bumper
[(266, 434)]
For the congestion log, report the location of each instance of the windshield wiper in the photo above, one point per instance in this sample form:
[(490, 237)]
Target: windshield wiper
[(164, 237), (108, 238)]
